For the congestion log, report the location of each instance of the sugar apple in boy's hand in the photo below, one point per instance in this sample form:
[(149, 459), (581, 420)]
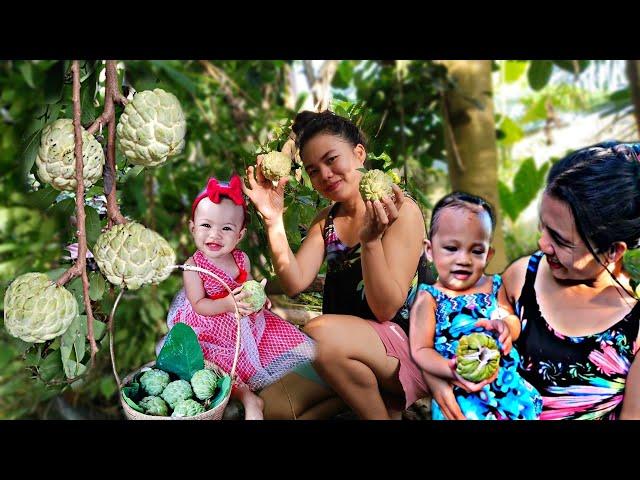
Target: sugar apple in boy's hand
[(154, 381), (132, 255), (176, 391), (56, 159), (36, 309), (477, 357), (204, 383), (153, 405), (187, 408), (151, 128), (256, 297), (375, 185), (275, 165)]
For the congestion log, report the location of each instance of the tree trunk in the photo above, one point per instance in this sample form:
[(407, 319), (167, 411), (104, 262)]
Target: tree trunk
[(633, 75), (471, 140)]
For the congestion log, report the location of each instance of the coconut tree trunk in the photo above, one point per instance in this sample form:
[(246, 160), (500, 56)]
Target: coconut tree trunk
[(471, 140), (633, 75)]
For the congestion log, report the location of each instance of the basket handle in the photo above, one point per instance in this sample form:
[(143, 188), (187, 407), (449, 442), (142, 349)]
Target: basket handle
[(178, 267)]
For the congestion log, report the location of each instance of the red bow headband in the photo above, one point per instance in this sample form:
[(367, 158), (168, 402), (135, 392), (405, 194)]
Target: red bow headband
[(232, 190)]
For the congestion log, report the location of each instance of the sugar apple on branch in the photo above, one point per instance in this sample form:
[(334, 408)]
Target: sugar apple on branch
[(132, 255), (151, 128), (56, 159), (36, 309)]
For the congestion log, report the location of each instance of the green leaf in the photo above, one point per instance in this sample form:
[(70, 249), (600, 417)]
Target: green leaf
[(97, 286), (54, 83), (65, 208), (512, 133), (224, 385), (92, 225), (514, 69), (43, 198), (108, 387), (181, 353), (526, 184), (133, 172), (130, 393), (73, 342), (506, 201), (55, 273), (29, 152), (98, 329), (27, 73), (51, 367), (75, 287), (179, 77), (539, 73)]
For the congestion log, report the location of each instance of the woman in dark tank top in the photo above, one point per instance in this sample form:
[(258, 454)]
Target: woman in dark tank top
[(373, 252), (579, 315)]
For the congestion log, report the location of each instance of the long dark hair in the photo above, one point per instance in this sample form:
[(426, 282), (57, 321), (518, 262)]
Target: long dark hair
[(601, 185)]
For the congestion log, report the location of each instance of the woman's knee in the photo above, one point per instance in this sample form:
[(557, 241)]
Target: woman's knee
[(326, 331)]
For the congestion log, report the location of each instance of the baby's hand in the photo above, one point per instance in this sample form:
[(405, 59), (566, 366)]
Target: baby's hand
[(504, 334), (244, 309)]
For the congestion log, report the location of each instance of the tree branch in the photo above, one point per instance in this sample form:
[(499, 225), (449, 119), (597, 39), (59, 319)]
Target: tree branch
[(80, 267), (112, 92)]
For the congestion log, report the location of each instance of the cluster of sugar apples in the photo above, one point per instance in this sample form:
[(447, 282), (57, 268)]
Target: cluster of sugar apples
[(177, 398), (130, 255), (150, 130)]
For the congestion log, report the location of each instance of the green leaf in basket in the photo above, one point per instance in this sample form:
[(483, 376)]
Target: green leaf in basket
[(224, 385), (129, 393), (181, 353)]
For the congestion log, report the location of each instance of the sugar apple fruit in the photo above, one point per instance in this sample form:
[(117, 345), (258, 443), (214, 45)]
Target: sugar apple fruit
[(132, 255), (154, 381), (176, 391), (151, 128), (187, 408), (375, 185), (477, 356), (275, 165), (153, 405), (204, 384), (256, 297), (36, 309), (56, 160)]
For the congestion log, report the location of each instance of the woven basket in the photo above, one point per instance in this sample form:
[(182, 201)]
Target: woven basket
[(214, 413)]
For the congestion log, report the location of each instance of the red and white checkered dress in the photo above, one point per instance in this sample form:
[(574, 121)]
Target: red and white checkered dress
[(269, 346)]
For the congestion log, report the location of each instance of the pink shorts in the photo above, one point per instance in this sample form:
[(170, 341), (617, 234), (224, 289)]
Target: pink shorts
[(396, 343)]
